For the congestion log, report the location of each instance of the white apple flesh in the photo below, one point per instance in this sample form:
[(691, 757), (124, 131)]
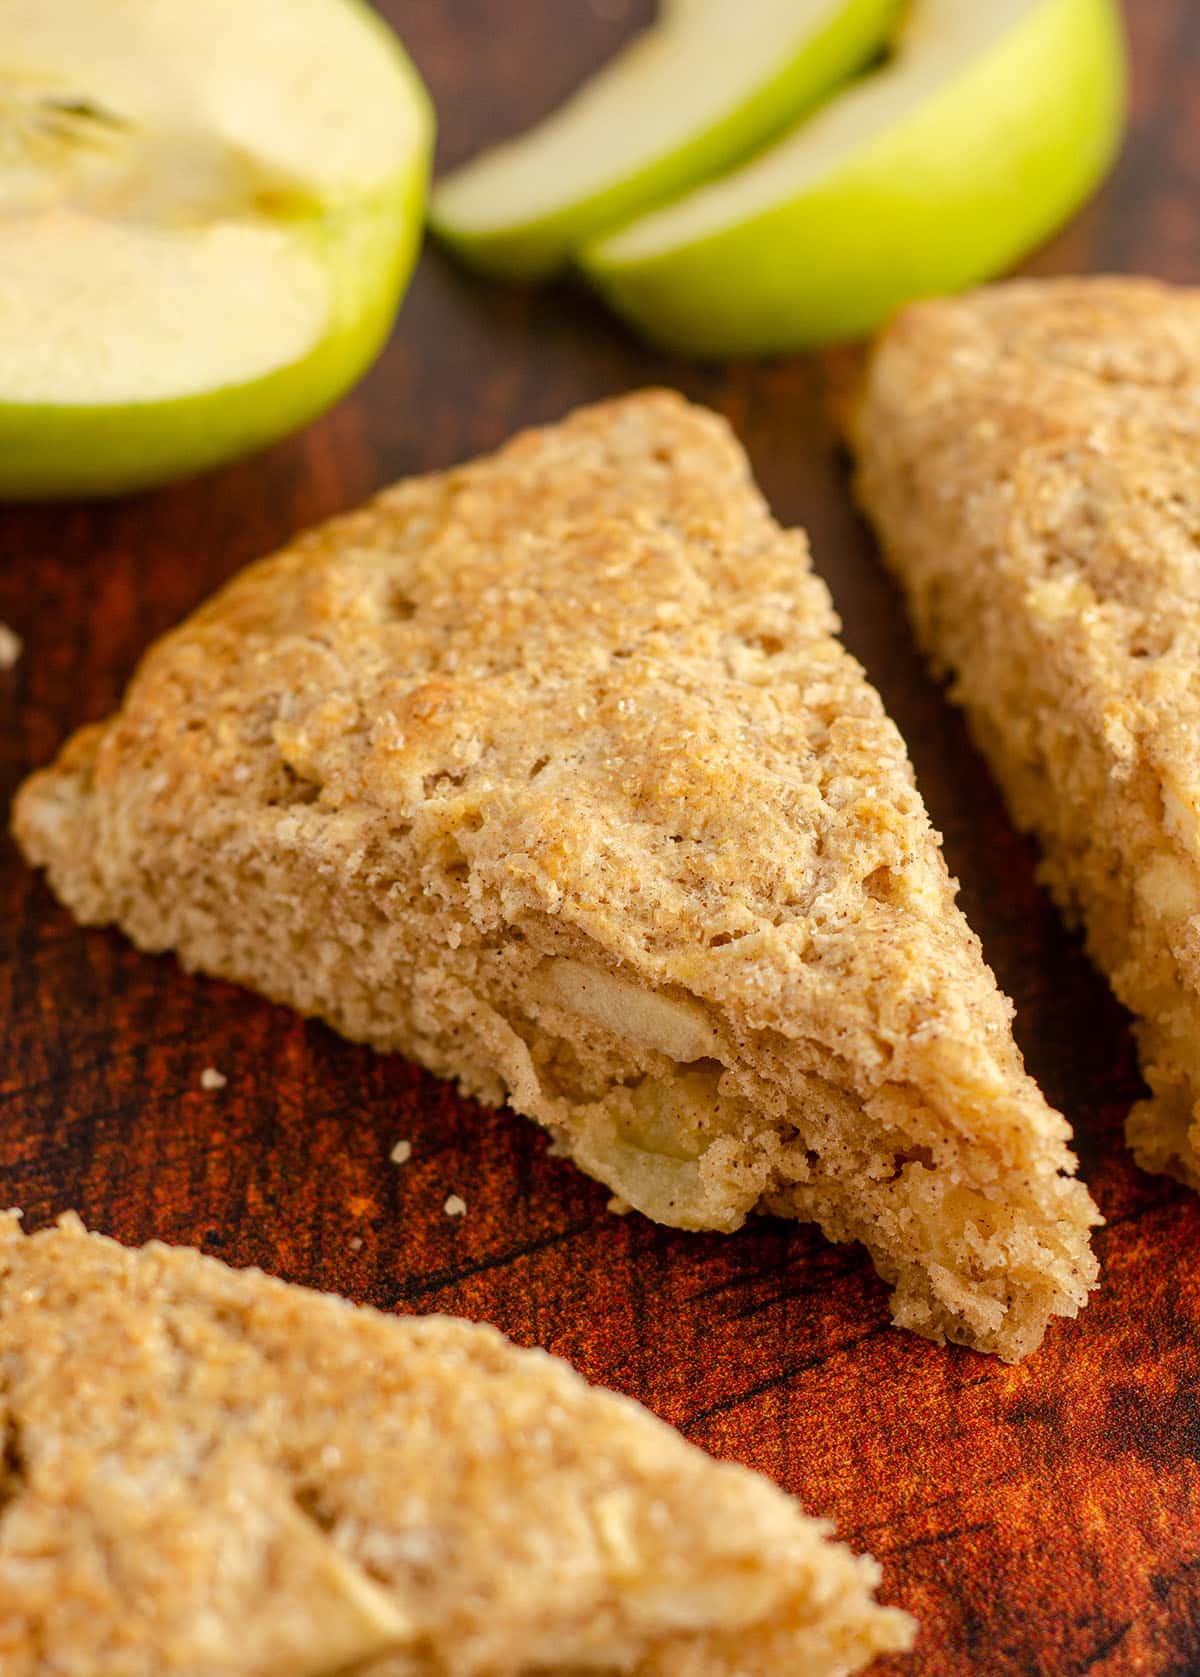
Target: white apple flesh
[(701, 89), (988, 126), (207, 217)]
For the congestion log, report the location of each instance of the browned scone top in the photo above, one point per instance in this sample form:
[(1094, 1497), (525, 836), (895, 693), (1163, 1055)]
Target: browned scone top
[(211, 1474), (1031, 458), (551, 773)]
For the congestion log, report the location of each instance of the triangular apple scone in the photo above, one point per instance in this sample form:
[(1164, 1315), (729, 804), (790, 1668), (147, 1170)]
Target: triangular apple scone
[(550, 773), (208, 1473), (1029, 455)]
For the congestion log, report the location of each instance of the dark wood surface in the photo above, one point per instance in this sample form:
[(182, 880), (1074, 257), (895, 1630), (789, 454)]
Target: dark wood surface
[(1043, 1519)]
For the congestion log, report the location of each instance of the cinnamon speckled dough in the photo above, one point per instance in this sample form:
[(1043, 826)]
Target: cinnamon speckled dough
[(550, 773), (211, 1474), (1031, 457)]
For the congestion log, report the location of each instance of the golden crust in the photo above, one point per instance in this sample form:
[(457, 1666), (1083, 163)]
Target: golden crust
[(211, 1474), (1030, 457), (551, 773)]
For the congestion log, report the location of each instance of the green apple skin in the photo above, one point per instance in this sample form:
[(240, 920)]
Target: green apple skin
[(540, 248), (369, 247), (958, 192), (59, 451)]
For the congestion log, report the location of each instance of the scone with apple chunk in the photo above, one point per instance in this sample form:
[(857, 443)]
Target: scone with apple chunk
[(1029, 456), (208, 1473), (551, 773)]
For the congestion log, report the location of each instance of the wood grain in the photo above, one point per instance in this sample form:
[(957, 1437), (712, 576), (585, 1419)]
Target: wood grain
[(1039, 1520)]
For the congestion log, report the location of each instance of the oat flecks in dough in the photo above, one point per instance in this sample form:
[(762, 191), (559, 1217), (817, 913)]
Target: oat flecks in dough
[(551, 773), (211, 1474), (1031, 456)]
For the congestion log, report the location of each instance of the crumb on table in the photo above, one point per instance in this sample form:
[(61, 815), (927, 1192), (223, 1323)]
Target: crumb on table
[(211, 1078), (401, 1153), (10, 647), (455, 1206)]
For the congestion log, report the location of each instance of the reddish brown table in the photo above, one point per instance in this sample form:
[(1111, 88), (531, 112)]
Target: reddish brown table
[(1043, 1519)]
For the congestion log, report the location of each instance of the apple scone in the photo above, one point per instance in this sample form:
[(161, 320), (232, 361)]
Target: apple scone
[(1029, 457), (550, 773), (208, 1473)]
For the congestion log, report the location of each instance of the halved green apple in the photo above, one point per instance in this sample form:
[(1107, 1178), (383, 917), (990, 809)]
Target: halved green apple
[(208, 213), (702, 88), (990, 123)]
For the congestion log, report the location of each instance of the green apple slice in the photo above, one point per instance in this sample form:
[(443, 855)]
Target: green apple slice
[(701, 89), (991, 122), (208, 213)]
